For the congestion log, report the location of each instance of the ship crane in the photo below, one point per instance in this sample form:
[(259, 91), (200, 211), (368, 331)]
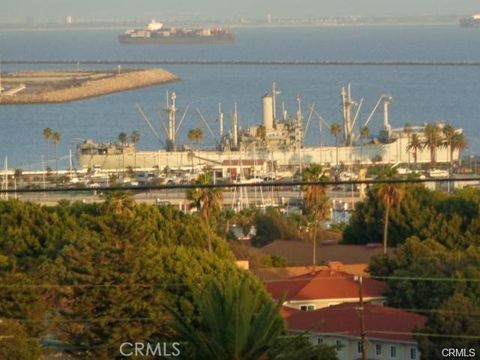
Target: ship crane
[(206, 123), (349, 121), (386, 100)]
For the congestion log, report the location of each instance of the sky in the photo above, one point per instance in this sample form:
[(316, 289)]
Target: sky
[(51, 10)]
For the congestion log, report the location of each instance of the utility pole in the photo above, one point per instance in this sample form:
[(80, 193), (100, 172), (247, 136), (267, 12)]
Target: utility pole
[(361, 309)]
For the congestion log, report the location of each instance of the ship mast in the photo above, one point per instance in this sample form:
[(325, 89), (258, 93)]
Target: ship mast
[(235, 127), (220, 120), (171, 110)]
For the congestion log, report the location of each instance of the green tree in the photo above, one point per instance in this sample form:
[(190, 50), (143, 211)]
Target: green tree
[(364, 134), (135, 138), (317, 203), (207, 200), (195, 135), (414, 144), (123, 139), (459, 143), (15, 344), (456, 323), (407, 130), (433, 137), (336, 130), (391, 195), (448, 133), (47, 135), (238, 322), (56, 138)]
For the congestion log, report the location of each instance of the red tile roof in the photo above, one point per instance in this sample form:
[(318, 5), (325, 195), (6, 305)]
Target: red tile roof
[(324, 284), (380, 322)]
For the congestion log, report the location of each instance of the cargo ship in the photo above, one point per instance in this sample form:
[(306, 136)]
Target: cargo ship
[(470, 22), (156, 33), (277, 142)]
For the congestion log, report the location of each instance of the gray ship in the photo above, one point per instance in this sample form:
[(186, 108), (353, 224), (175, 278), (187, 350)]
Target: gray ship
[(156, 33)]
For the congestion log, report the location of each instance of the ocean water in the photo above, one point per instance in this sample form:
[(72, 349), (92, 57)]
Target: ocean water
[(420, 93)]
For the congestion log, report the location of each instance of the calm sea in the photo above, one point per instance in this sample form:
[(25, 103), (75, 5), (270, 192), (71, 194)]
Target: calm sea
[(420, 93)]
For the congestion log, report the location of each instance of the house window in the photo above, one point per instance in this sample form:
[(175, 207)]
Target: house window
[(339, 345), (378, 349), (413, 353), (393, 351), (359, 347), (307, 307), (319, 341)]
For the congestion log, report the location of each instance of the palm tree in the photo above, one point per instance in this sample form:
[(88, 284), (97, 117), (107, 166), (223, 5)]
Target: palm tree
[(316, 200), (47, 135), (432, 141), (195, 135), (207, 200), (407, 129), (56, 138), (449, 131), (414, 145), (123, 138), (458, 142), (364, 134), (238, 322), (336, 130), (391, 195), (135, 138)]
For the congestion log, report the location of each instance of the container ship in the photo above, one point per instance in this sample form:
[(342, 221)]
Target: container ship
[(470, 22), (156, 33), (277, 143)]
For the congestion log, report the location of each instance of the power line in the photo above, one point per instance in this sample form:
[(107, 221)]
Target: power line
[(240, 185)]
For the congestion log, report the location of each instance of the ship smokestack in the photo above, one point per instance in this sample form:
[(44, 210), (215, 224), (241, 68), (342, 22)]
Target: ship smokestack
[(268, 112)]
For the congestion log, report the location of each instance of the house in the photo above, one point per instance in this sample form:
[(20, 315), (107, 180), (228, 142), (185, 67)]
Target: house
[(388, 331), (266, 274), (323, 288)]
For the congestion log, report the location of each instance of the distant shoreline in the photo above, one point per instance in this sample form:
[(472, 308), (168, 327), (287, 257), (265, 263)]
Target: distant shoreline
[(231, 26)]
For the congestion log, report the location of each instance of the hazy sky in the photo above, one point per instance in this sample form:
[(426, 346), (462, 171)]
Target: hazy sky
[(41, 10)]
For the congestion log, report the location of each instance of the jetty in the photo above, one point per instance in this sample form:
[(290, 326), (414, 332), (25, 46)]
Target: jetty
[(59, 86)]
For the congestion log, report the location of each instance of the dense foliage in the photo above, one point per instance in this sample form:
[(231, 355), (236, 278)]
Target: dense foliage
[(435, 267), (95, 275), (452, 220), (271, 225)]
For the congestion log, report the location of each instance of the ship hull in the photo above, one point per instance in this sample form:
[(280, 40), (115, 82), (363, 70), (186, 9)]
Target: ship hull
[(178, 39), (469, 23), (390, 153)]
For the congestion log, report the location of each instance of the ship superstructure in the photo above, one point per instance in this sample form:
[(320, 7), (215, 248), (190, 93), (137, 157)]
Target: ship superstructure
[(278, 141), (156, 33)]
